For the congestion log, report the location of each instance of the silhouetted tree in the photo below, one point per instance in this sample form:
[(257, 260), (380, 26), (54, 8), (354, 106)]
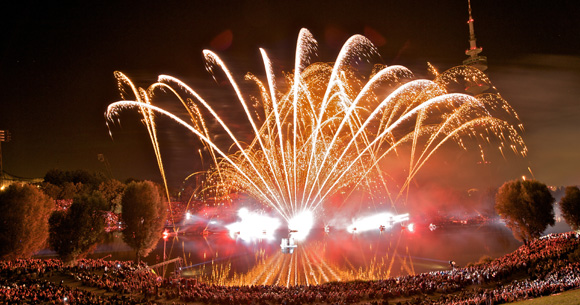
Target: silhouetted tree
[(65, 191), (570, 206), (23, 220), (56, 177), (50, 190), (131, 179), (112, 190), (144, 214), (91, 180), (75, 232), (527, 208)]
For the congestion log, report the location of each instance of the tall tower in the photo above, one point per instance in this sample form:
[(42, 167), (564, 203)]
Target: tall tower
[(474, 59)]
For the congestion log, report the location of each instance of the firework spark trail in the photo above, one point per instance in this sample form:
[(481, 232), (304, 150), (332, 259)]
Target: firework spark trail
[(332, 272), (382, 73), (271, 82), (361, 130), (213, 58), (279, 270), (345, 120), (455, 116), (349, 46), (221, 122), (114, 106), (322, 264), (305, 44), (148, 120), (264, 269), (296, 271), (411, 265), (449, 136), (304, 262), (457, 97), (290, 264), (341, 126), (394, 255), (269, 274), (320, 270), (305, 255), (192, 110), (388, 130)]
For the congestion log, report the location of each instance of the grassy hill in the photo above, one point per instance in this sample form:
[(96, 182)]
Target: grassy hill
[(571, 297)]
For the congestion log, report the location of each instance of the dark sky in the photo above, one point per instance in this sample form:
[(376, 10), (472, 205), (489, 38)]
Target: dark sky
[(57, 64)]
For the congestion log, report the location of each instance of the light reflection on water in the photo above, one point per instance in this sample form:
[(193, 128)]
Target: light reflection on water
[(323, 257)]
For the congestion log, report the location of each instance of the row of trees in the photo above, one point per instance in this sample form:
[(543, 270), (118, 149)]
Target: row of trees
[(527, 207), (34, 217), (30, 219), (63, 186)]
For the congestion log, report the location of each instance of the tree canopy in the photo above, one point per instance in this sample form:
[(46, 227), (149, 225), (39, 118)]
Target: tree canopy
[(76, 231), (23, 221), (570, 206), (65, 191), (527, 208), (64, 185), (59, 177), (144, 214), (112, 190)]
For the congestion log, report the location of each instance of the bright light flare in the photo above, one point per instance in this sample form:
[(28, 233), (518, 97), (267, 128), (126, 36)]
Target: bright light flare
[(375, 222), (253, 226), (301, 224)]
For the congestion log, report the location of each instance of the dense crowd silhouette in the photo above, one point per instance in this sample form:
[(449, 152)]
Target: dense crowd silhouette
[(538, 269)]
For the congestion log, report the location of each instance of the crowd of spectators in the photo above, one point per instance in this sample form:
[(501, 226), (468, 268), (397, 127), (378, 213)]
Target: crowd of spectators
[(537, 269), (112, 222), (62, 204)]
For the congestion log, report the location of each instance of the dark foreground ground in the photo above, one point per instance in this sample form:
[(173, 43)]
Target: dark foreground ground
[(539, 269)]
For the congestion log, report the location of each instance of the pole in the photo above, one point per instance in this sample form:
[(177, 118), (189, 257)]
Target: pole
[(1, 168), (4, 137)]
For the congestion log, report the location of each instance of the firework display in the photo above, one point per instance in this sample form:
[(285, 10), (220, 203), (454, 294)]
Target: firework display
[(332, 127)]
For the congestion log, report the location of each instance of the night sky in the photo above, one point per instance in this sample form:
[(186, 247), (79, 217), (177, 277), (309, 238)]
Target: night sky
[(57, 65)]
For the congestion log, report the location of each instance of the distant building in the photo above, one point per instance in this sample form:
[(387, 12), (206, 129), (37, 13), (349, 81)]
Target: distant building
[(474, 60)]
